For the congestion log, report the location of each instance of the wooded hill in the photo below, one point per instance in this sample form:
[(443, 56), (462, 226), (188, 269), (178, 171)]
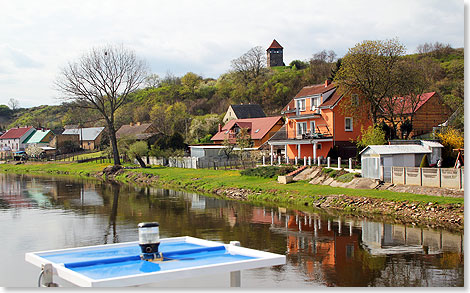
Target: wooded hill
[(192, 106)]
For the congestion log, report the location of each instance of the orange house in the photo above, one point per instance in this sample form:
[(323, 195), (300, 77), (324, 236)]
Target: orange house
[(315, 123)]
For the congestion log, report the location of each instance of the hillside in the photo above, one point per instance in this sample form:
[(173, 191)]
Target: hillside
[(197, 96)]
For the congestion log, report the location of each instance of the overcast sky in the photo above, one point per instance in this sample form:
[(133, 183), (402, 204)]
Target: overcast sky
[(37, 38)]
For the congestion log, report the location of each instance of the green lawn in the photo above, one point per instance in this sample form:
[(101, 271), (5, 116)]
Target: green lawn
[(205, 180)]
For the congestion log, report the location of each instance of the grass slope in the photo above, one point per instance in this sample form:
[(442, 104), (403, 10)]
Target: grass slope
[(264, 189)]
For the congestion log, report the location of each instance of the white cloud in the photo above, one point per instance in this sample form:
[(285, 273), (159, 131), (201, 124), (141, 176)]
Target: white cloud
[(202, 36)]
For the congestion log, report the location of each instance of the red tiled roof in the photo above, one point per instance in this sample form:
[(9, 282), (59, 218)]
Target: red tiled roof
[(407, 107), (314, 89), (264, 124), (275, 45), (15, 133)]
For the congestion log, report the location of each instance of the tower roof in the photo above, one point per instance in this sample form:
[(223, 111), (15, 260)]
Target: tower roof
[(275, 45)]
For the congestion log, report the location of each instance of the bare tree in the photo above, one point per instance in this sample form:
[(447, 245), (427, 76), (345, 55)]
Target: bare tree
[(251, 64), (13, 104), (102, 79)]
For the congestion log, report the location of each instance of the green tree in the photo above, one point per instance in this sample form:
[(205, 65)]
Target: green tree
[(370, 68), (137, 150), (373, 135)]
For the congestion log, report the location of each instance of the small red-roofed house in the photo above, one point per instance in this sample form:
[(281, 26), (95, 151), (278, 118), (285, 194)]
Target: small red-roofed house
[(13, 139), (260, 129)]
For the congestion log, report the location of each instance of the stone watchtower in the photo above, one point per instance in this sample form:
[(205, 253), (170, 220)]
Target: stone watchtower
[(274, 55)]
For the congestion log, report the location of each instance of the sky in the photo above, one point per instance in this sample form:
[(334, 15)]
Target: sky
[(38, 38)]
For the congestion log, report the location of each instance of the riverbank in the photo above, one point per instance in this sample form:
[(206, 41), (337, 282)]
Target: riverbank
[(402, 207)]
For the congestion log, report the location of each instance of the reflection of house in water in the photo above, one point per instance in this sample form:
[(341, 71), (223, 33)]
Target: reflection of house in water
[(11, 193), (384, 239), (88, 197), (340, 252)]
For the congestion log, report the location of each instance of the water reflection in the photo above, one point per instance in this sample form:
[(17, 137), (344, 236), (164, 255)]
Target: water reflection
[(322, 249)]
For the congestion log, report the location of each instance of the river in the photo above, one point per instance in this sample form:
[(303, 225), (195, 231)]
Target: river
[(322, 249)]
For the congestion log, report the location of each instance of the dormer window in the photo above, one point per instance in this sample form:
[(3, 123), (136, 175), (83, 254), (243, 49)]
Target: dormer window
[(316, 101), (301, 104)]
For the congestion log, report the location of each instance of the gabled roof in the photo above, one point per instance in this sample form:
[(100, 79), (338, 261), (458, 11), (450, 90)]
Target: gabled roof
[(405, 106), (137, 131), (90, 133), (275, 45), (259, 127), (37, 136), (329, 92), (248, 111), (397, 149), (311, 90), (14, 133)]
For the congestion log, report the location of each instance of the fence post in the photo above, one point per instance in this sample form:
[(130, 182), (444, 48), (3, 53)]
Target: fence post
[(440, 179), (309, 161), (295, 160), (350, 163), (271, 159), (319, 161), (328, 162), (305, 161), (420, 176), (287, 160), (339, 162), (279, 160), (264, 161)]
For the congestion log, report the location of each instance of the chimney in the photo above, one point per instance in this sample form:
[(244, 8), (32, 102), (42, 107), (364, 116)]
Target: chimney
[(327, 82), (220, 127)]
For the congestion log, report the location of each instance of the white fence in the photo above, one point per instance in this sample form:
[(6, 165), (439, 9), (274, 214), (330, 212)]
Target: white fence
[(432, 177)]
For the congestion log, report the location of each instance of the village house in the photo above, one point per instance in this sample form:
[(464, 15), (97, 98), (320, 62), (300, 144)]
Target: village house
[(90, 138), (13, 140), (316, 122), (259, 129), (40, 137), (138, 131), (243, 112), (427, 111), (65, 143)]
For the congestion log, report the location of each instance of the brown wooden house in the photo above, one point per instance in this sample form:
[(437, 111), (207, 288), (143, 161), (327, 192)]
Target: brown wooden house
[(428, 111)]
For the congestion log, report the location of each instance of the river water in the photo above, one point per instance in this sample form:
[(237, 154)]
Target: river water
[(322, 249)]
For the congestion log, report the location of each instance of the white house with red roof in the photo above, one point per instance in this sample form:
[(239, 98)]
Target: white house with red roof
[(13, 140)]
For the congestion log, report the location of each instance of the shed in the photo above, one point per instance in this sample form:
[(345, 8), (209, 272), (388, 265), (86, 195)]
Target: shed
[(377, 160)]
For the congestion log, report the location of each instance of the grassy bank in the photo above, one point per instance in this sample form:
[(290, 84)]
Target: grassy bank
[(260, 189)]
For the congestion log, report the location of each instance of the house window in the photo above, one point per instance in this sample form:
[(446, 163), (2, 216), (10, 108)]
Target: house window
[(301, 104), (301, 128), (318, 146), (315, 102), (348, 124), (354, 100), (312, 126)]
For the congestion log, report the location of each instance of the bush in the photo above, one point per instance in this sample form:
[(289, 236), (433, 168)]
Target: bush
[(346, 177), (267, 171), (424, 162)]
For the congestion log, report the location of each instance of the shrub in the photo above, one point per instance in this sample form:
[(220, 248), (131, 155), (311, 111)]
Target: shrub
[(267, 171), (346, 177)]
